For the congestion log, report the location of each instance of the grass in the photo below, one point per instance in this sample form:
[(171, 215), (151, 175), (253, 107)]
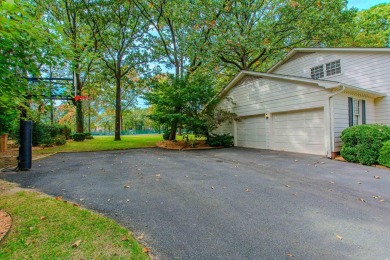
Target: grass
[(46, 228), (104, 143)]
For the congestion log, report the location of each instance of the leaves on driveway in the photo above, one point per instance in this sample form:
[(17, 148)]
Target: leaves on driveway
[(377, 177), (339, 237)]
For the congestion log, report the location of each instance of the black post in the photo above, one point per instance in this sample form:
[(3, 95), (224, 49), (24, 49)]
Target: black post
[(25, 147)]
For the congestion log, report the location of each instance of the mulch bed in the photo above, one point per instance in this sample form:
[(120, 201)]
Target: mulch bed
[(181, 145), (5, 225)]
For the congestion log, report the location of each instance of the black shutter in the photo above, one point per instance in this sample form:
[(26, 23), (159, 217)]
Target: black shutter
[(350, 111), (363, 112)]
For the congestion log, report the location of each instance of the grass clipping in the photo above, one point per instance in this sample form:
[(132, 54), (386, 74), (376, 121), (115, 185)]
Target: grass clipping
[(44, 227)]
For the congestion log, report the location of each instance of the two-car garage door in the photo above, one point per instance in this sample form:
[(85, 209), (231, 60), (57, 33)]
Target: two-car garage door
[(296, 131)]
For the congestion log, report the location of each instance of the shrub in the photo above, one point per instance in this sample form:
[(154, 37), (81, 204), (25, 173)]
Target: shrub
[(363, 143), (47, 141), (384, 154), (166, 135), (60, 140), (42, 133), (78, 137), (225, 140), (89, 137)]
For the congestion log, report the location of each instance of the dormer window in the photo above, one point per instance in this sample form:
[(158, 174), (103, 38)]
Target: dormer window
[(328, 69), (317, 72), (333, 68)]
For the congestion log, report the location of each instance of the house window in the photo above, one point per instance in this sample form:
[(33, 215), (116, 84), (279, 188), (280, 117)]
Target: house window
[(317, 72), (333, 68), (356, 111)]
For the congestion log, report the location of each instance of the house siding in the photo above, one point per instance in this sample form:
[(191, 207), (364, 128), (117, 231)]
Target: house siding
[(340, 115), (269, 96), (364, 70)]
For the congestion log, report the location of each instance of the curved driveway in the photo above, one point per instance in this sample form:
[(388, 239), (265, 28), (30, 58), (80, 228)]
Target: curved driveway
[(230, 203)]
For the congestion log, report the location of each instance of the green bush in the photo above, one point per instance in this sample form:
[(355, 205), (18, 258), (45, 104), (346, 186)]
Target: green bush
[(89, 137), (47, 141), (166, 135), (60, 140), (363, 143), (384, 154), (78, 137), (225, 140), (44, 134)]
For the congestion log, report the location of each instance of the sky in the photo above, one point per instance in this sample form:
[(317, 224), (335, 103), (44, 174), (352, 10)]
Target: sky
[(365, 4)]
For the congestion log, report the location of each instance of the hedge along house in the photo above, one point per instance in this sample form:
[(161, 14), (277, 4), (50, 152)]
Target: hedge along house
[(304, 102)]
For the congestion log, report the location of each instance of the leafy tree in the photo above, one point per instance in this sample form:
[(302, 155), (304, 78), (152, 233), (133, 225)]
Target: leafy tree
[(179, 101), (80, 47), (120, 34), (251, 35), (371, 28), (25, 46)]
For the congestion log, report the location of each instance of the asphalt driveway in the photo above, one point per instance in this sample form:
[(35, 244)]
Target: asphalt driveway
[(230, 203)]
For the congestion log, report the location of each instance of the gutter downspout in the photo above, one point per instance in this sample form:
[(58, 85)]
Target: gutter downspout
[(331, 134)]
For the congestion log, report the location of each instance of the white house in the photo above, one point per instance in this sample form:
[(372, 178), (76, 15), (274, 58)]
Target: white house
[(304, 102)]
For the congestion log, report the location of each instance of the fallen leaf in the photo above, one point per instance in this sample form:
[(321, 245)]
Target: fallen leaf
[(382, 200), (290, 255), (76, 204), (158, 175), (359, 182), (362, 200), (294, 194), (339, 237), (125, 239), (59, 198), (288, 186), (212, 187), (81, 199), (42, 218), (146, 250), (377, 177), (126, 186), (140, 237), (31, 228), (77, 243), (247, 190)]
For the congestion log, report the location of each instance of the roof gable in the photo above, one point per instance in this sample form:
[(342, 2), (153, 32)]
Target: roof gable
[(245, 75), (297, 52)]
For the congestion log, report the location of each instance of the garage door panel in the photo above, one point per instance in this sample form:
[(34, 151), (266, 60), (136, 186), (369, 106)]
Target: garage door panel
[(300, 131), (251, 132)]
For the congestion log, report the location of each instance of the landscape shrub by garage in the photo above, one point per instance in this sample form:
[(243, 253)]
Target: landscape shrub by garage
[(225, 140), (363, 143), (384, 154), (78, 137)]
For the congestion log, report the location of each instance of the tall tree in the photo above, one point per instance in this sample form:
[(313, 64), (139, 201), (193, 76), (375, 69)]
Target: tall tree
[(182, 32), (371, 28), (250, 35), (70, 20), (25, 46), (121, 37)]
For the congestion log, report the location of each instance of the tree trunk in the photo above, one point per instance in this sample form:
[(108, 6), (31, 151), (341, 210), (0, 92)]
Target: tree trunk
[(118, 109), (172, 135), (79, 107)]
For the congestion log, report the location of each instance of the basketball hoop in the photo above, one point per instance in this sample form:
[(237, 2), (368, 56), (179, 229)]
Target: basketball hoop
[(77, 98)]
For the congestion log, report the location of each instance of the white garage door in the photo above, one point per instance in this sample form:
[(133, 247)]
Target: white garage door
[(251, 132), (301, 131)]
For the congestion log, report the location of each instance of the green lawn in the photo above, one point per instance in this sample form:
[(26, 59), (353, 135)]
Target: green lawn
[(105, 143), (46, 228)]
